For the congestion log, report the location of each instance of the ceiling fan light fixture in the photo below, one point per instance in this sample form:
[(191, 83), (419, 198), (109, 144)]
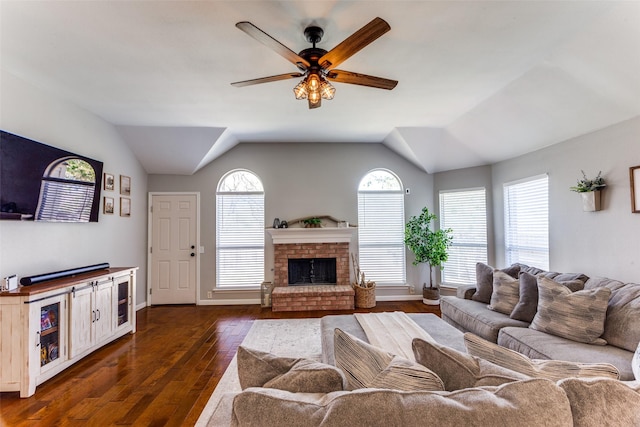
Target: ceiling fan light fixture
[(300, 91), (327, 90)]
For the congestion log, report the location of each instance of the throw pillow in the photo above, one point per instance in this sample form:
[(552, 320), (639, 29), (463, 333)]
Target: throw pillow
[(578, 316), (366, 366), (259, 369), (505, 294), (622, 327), (484, 281), (527, 305), (460, 370), (602, 402), (553, 370)]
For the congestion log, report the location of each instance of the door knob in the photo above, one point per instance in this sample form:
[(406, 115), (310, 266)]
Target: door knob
[(193, 254), (193, 246)]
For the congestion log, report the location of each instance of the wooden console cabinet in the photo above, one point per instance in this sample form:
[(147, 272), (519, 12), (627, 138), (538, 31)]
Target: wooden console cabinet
[(45, 328)]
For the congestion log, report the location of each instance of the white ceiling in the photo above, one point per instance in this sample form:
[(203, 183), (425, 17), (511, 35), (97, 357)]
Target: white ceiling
[(479, 81)]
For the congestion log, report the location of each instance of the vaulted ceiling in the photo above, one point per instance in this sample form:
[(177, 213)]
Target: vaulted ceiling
[(479, 81)]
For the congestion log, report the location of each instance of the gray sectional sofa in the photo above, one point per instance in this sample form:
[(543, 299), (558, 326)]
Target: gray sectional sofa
[(621, 324)]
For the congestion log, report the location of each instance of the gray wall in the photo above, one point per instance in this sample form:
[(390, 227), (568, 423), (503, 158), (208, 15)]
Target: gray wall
[(604, 243), (299, 180), (28, 247)]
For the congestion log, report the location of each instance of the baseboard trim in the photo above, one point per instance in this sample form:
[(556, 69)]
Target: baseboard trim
[(398, 297), (239, 301)]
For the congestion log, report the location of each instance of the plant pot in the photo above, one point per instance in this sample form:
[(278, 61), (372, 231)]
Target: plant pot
[(431, 296), (591, 201)]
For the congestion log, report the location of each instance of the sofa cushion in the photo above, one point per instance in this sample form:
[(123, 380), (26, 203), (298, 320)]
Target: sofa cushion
[(505, 294), (260, 369), (460, 370), (525, 403), (622, 325), (484, 280), (527, 305), (550, 369), (367, 366), (603, 402), (473, 316), (540, 345), (577, 316)]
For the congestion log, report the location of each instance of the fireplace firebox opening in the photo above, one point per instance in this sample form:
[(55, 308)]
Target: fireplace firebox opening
[(317, 271)]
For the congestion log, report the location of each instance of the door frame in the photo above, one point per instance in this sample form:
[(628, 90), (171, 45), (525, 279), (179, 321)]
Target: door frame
[(199, 249)]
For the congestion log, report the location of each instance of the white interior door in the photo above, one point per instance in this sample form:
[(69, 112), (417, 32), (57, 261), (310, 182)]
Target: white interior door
[(174, 248)]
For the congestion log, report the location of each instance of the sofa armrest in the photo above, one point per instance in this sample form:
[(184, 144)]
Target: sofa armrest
[(466, 292)]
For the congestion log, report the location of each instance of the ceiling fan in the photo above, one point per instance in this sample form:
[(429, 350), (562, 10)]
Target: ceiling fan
[(317, 66)]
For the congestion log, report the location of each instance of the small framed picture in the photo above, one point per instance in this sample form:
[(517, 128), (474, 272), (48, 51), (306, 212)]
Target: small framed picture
[(109, 182), (125, 206), (125, 185), (108, 206), (634, 177)]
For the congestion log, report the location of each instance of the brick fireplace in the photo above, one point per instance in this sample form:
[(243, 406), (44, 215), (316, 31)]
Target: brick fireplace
[(311, 243)]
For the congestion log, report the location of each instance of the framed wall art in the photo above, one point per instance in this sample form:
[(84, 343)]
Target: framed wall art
[(125, 185), (634, 177), (109, 182), (125, 206), (108, 205)]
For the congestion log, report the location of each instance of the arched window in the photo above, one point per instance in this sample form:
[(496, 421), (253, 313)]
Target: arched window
[(67, 191), (381, 227), (239, 230)]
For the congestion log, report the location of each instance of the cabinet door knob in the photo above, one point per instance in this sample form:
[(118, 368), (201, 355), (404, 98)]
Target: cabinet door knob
[(193, 254), (193, 246)]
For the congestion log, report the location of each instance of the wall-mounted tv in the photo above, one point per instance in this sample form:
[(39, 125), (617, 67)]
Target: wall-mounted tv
[(43, 183)]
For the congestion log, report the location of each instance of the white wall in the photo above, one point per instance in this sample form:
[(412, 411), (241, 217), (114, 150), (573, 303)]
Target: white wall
[(28, 248), (299, 180), (604, 243)]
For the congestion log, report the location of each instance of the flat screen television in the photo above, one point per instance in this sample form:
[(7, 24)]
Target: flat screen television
[(43, 183)]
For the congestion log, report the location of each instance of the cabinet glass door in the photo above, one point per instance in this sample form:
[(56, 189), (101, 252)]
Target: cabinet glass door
[(49, 333), (123, 302)]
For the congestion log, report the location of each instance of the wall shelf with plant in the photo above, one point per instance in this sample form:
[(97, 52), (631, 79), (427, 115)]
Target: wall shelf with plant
[(590, 191)]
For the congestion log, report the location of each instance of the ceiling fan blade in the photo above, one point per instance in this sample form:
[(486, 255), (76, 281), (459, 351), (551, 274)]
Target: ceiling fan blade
[(273, 44), (275, 78), (342, 76), (354, 43)]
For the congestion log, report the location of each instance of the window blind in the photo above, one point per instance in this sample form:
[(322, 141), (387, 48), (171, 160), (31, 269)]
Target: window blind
[(465, 213), (526, 221), (381, 236), (239, 239)]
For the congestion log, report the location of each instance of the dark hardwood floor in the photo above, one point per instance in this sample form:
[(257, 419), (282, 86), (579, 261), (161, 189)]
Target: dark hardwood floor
[(163, 375)]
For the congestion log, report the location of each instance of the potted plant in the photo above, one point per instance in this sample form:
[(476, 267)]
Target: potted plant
[(429, 246), (312, 222), (589, 189)]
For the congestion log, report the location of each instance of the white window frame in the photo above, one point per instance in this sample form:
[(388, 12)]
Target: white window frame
[(526, 221), (381, 232), (239, 236), (465, 213)]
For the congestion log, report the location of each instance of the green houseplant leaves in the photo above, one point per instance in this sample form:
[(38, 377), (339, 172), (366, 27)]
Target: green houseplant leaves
[(430, 246)]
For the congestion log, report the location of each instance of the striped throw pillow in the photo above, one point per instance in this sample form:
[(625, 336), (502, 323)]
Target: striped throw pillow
[(506, 293), (554, 370), (366, 366), (577, 316)]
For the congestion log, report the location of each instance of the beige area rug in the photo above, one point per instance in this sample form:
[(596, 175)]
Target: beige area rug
[(289, 337)]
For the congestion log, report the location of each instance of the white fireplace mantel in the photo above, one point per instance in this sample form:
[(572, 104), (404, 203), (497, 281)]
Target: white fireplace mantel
[(283, 236)]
